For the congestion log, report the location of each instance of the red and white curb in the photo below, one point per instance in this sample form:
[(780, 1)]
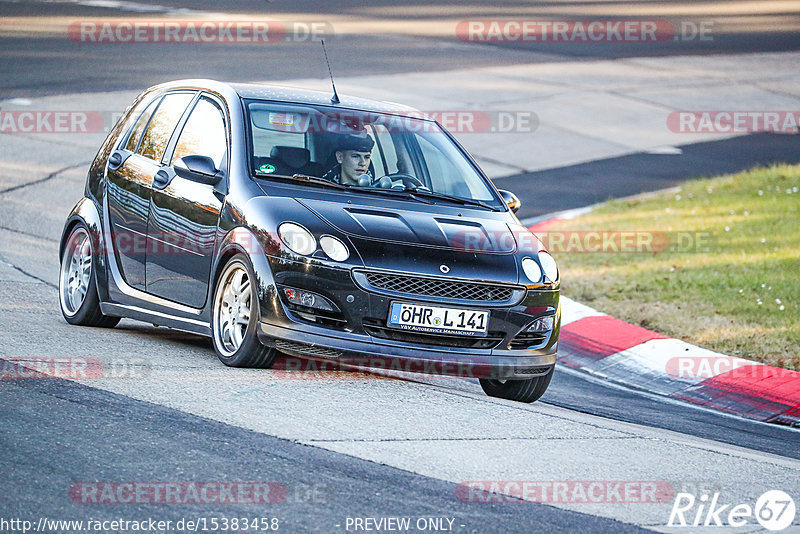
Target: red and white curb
[(632, 355)]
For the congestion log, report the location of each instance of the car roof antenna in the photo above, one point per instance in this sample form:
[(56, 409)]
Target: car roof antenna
[(335, 97)]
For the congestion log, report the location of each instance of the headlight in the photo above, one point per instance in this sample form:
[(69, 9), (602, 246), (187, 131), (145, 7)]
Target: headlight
[(335, 249), (549, 266), (532, 270), (297, 238)]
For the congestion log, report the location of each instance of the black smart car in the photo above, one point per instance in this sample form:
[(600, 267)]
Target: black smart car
[(281, 220)]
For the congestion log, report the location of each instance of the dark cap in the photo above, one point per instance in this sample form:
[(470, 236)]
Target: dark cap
[(357, 142)]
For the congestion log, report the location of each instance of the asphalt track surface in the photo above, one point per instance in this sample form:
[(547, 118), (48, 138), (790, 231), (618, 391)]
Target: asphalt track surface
[(379, 38), (58, 432), (323, 488)]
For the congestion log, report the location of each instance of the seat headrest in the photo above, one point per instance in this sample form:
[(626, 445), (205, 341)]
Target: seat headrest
[(293, 156)]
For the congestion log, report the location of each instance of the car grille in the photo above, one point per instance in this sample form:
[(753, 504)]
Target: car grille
[(376, 329), (439, 288), (525, 340), (534, 371), (306, 349), (317, 317)]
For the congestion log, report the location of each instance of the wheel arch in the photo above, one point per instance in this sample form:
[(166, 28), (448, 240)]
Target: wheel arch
[(242, 240), (87, 213), (83, 212)]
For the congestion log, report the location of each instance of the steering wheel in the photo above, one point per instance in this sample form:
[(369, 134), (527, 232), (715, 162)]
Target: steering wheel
[(408, 181)]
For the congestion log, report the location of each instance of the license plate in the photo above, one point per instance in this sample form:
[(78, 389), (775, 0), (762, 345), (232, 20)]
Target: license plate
[(436, 320)]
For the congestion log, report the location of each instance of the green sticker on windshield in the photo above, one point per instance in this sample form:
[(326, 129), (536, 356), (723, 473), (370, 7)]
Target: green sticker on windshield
[(267, 168)]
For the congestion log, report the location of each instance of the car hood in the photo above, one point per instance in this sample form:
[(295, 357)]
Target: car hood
[(457, 233)]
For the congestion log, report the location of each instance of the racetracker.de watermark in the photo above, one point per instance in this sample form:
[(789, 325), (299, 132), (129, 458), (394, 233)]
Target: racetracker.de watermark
[(55, 121), (464, 121), (582, 31), (165, 244), (177, 493), (587, 241), (458, 121), (625, 241), (197, 31), (293, 368), (565, 491), (734, 121), (72, 368), (703, 367)]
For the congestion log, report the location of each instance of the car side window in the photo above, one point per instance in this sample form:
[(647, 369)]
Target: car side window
[(203, 134), (155, 139), (138, 129), (440, 170), (384, 156)]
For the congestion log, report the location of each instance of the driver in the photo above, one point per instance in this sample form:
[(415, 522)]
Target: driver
[(353, 154)]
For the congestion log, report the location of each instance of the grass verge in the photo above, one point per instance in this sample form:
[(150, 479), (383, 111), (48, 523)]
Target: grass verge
[(716, 264)]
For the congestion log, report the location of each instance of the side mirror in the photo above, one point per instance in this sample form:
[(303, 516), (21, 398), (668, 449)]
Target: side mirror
[(198, 169), (511, 200)]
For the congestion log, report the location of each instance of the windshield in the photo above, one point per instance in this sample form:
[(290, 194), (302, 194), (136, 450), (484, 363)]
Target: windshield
[(361, 150)]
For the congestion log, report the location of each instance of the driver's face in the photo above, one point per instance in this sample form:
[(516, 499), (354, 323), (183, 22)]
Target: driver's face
[(354, 164)]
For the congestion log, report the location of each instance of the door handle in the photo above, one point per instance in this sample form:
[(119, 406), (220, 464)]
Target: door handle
[(115, 161), (161, 179)]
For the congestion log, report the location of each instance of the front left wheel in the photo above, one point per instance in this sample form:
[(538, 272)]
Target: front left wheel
[(235, 318), (527, 391), (77, 289)]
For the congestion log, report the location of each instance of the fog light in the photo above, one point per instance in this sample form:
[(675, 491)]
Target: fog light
[(308, 299), (542, 324)]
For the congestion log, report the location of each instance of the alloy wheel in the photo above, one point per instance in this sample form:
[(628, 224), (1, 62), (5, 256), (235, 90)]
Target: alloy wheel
[(76, 272), (232, 309)]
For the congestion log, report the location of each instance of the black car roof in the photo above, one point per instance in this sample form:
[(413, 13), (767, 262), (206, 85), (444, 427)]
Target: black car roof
[(293, 95)]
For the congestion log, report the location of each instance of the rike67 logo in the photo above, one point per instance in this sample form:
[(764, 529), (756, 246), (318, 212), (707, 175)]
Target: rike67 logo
[(774, 510)]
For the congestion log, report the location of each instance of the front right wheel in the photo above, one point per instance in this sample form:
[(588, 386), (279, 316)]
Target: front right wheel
[(528, 391), (235, 316)]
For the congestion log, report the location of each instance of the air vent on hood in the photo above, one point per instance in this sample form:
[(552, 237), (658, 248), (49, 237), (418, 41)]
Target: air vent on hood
[(488, 234)]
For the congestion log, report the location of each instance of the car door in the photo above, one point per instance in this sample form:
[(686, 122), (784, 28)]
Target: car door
[(182, 226), (131, 170)]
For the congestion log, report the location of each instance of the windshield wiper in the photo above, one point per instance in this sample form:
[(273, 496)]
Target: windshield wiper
[(322, 181), (401, 193), (346, 187), (450, 198), (303, 178)]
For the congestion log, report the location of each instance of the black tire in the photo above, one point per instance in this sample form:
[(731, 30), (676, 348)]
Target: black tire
[(248, 351), (83, 311), (528, 391)]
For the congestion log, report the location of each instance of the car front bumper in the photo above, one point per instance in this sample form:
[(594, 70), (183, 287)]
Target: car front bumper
[(364, 351), (360, 338)]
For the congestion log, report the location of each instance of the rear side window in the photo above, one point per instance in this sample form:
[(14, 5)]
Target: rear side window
[(138, 129), (264, 140), (203, 134), (155, 139)]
